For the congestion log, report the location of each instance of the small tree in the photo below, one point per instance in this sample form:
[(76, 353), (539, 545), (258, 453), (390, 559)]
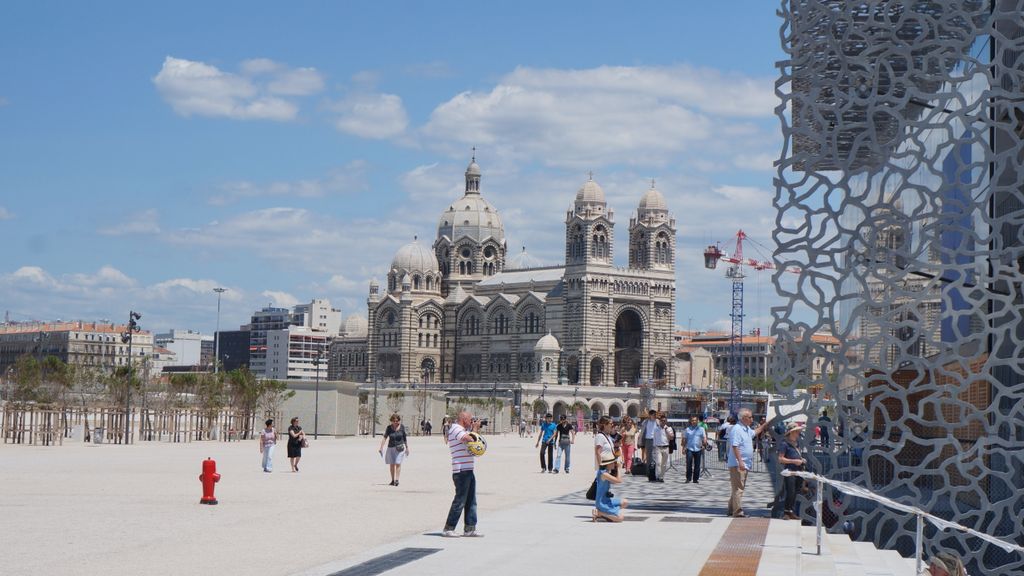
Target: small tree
[(395, 400), (273, 395), (28, 375)]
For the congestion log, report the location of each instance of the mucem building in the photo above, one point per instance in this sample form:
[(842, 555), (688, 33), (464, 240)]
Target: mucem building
[(899, 197)]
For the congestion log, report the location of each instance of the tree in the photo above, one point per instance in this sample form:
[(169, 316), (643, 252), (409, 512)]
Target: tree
[(27, 378), (273, 393), (395, 400)]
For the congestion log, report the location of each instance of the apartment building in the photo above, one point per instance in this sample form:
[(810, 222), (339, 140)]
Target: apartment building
[(81, 344)]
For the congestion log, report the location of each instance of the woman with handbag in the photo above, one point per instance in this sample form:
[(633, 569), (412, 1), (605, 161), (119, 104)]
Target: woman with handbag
[(398, 447), (296, 442)]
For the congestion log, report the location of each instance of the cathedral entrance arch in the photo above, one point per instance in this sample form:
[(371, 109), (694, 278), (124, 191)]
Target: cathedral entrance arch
[(629, 344), (573, 370), (614, 411), (559, 409), (660, 372), (633, 411), (596, 372)]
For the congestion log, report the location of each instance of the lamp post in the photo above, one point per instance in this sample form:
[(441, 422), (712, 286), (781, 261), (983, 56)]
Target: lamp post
[(126, 337), (216, 335), (316, 401), (376, 382)]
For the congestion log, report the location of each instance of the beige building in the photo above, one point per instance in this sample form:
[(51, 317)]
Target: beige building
[(82, 344), (460, 310)]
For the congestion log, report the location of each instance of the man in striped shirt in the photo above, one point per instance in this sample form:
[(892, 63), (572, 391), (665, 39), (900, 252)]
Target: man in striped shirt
[(462, 476)]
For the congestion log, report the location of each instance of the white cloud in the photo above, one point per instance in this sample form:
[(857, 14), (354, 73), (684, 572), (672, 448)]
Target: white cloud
[(5, 214), (341, 283), (280, 299), (4, 102), (109, 293), (377, 116), (146, 222), (348, 179), (201, 89), (607, 115)]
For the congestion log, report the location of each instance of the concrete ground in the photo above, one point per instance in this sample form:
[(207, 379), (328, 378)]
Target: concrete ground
[(107, 509)]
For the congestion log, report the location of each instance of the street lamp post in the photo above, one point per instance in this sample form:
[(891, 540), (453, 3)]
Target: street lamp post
[(376, 382), (126, 337), (216, 335), (316, 401)]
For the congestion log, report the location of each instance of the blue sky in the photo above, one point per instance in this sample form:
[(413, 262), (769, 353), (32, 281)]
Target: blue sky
[(149, 153)]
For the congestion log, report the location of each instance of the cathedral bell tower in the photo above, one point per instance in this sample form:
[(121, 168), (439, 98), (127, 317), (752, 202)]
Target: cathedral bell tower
[(588, 228), (652, 234)]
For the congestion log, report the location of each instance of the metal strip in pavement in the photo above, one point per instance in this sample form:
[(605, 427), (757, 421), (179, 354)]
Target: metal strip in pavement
[(691, 519), (382, 564), (739, 551)]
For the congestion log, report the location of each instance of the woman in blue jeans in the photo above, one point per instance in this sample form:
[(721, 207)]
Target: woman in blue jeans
[(605, 508)]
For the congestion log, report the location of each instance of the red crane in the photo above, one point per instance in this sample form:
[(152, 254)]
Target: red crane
[(712, 254)]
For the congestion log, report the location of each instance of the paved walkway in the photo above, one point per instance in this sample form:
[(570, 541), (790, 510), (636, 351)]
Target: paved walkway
[(673, 526)]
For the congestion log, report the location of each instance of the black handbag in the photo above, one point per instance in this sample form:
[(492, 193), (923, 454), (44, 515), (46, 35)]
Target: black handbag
[(592, 491)]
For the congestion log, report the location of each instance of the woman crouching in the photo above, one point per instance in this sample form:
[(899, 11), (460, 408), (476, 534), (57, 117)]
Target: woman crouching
[(605, 508)]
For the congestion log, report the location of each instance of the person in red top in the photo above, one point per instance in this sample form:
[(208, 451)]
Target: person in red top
[(463, 477)]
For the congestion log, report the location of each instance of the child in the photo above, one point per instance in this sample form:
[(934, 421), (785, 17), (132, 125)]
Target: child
[(268, 439), (606, 508)]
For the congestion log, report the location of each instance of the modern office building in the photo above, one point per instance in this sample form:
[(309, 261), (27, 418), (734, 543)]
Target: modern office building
[(234, 349), (318, 317), (190, 348)]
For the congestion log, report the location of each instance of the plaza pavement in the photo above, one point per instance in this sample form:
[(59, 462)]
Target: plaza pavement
[(108, 509)]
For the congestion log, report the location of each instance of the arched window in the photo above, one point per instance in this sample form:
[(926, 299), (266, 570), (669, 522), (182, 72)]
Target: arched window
[(419, 338), (547, 366)]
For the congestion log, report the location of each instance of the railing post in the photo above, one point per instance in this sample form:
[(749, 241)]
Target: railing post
[(818, 513), (918, 541)]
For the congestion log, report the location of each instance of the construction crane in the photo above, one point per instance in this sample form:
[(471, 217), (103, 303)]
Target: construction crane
[(712, 255)]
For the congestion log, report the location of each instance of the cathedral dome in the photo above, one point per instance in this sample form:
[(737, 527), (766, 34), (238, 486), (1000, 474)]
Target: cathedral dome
[(414, 258), (471, 216), (653, 201), (590, 193), (547, 343), (523, 261), (355, 326)]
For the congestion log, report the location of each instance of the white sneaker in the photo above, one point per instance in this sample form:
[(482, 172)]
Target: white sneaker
[(450, 534), (472, 534)]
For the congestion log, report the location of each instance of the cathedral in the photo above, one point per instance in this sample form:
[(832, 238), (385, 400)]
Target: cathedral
[(461, 309)]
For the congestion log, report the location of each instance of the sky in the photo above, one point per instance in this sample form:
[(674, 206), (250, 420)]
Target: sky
[(285, 151)]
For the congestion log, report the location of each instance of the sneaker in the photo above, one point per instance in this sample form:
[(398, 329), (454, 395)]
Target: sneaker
[(450, 534), (566, 470), (554, 471), (472, 534)]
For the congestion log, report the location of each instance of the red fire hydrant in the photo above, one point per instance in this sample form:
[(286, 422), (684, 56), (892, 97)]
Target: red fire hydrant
[(209, 477)]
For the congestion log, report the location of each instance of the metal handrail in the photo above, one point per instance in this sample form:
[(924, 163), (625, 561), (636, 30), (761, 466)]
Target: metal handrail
[(921, 515)]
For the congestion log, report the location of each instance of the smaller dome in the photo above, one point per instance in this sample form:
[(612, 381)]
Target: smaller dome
[(414, 257), (653, 200), (473, 169), (523, 261), (374, 283), (355, 326), (590, 193), (406, 281), (547, 343)]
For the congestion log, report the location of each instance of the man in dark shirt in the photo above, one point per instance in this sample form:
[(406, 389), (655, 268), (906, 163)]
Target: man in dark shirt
[(566, 435), (824, 425)]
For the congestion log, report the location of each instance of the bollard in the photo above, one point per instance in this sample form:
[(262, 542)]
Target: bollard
[(209, 477)]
